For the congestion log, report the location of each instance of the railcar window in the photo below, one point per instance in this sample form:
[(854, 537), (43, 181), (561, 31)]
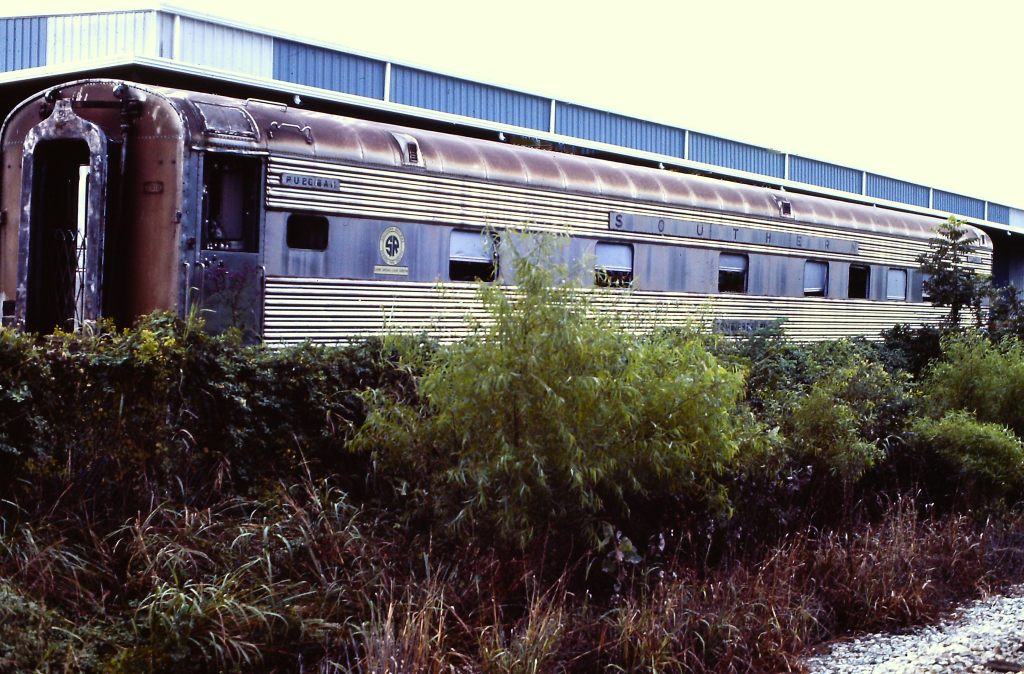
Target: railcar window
[(732, 273), (926, 295), (308, 232), (472, 256), (860, 277), (815, 278), (230, 203), (614, 265), (896, 285)]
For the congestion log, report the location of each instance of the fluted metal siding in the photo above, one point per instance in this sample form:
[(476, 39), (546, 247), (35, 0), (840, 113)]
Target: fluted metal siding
[(423, 89), (998, 213), (392, 195), (22, 43), (92, 36), (896, 190), (328, 69), (216, 46), (958, 204), (739, 156), (605, 127), (823, 174), (338, 310)]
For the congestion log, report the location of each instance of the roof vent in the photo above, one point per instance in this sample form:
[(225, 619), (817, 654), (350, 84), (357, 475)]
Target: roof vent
[(410, 149), (785, 206)]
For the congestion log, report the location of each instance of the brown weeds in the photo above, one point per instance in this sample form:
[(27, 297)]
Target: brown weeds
[(302, 580)]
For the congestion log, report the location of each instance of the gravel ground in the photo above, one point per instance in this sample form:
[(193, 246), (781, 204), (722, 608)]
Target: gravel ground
[(986, 636)]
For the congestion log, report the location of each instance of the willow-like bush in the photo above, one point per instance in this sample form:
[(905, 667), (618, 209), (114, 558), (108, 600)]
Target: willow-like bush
[(981, 377), (551, 417)]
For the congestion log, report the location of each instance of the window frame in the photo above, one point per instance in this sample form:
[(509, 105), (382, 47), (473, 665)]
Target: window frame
[(814, 292), (866, 285), (320, 219), (468, 263), (742, 272), (888, 284), (221, 173), (609, 276)]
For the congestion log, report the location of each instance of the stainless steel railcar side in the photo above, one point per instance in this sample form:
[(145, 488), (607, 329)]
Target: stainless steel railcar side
[(117, 199)]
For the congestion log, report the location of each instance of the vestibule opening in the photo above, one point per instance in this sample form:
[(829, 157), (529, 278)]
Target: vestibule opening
[(58, 237)]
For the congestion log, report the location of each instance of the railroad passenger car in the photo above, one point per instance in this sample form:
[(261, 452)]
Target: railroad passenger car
[(118, 199)]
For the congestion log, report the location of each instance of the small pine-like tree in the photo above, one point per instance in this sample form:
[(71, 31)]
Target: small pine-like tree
[(950, 281)]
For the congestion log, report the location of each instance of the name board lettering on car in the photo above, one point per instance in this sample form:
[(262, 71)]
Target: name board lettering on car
[(310, 182)]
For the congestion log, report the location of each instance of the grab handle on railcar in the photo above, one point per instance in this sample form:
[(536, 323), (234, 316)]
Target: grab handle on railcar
[(306, 132), (263, 300), (200, 290), (188, 287)]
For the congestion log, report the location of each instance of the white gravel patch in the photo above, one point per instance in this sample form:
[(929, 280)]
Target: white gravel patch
[(985, 636)]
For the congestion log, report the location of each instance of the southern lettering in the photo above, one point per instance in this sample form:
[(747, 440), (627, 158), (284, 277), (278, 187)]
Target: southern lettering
[(692, 229)]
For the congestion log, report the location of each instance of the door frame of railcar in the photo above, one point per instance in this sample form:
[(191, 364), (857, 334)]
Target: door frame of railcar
[(240, 305), (62, 126)]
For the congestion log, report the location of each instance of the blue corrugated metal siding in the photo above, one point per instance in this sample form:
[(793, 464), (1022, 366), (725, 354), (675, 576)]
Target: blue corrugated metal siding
[(739, 156), (998, 213), (958, 204), (461, 97), (823, 174), (328, 69), (897, 190), (605, 127), (22, 43), (75, 38), (165, 28), (216, 46)]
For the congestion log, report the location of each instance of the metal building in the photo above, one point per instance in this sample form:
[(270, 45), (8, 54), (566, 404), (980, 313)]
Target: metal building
[(174, 47)]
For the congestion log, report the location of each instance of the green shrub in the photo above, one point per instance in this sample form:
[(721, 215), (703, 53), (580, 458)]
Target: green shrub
[(782, 374), (825, 429), (845, 415), (22, 378), (1006, 313), (125, 417), (833, 414), (773, 363), (980, 377), (984, 460), (910, 349), (551, 416)]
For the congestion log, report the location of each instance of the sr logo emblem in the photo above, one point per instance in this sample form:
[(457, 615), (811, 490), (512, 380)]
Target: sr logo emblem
[(392, 245)]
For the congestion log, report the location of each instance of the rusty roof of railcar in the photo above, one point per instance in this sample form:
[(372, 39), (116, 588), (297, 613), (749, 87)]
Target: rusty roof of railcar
[(354, 140), (324, 137)]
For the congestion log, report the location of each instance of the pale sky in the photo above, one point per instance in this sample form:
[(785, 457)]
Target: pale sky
[(929, 92)]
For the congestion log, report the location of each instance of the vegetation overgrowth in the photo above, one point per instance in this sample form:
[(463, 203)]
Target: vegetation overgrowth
[(554, 493)]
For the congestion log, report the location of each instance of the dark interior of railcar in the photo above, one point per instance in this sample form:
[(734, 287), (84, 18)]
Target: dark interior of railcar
[(53, 286)]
